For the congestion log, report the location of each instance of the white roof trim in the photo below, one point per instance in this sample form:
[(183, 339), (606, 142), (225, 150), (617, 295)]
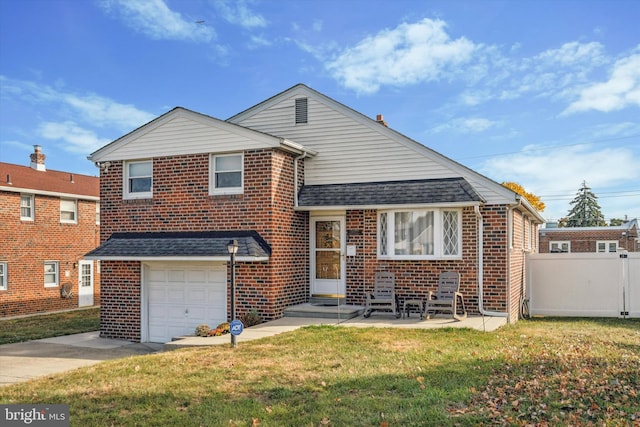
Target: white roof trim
[(178, 258), (389, 207)]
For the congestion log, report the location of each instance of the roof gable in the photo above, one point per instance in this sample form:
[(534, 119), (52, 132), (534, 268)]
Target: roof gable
[(181, 131), (355, 148)]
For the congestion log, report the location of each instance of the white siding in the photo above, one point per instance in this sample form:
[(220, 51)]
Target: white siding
[(353, 149), (182, 133)]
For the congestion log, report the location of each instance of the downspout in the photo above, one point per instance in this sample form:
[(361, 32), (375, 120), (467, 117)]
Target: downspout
[(295, 177), (476, 209)]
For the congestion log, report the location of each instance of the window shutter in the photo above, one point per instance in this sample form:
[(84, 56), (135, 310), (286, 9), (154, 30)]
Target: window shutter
[(301, 110)]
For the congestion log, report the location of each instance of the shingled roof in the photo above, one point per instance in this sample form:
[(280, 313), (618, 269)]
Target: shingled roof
[(205, 245), (374, 194), (25, 179)]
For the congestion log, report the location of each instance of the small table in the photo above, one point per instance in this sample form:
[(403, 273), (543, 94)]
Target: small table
[(410, 302)]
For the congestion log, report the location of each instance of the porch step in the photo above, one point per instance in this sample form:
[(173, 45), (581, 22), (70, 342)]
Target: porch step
[(324, 311), (326, 300)]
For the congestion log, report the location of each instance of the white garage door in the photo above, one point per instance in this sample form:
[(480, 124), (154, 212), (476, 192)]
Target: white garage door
[(183, 296)]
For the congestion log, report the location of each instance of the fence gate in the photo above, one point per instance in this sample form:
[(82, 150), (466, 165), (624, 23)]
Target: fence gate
[(584, 284)]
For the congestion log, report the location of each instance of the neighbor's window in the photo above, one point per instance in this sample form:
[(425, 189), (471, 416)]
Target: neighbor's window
[(51, 276), (26, 207), (138, 179), (603, 246), (226, 174), (68, 211), (559, 247), (98, 213), (3, 276), (419, 234)]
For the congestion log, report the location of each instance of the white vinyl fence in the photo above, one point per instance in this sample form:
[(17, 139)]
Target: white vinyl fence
[(584, 284)]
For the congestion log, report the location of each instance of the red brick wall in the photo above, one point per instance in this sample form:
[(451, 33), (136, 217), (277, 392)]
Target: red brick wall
[(25, 245), (181, 202), (417, 278), (585, 240)]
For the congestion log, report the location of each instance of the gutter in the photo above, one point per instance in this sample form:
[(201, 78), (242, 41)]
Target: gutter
[(484, 312)]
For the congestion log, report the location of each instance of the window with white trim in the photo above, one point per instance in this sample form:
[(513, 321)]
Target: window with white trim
[(138, 179), (26, 207), (51, 274), (97, 213), (69, 211), (558, 246), (3, 276), (420, 234), (604, 246), (226, 174)]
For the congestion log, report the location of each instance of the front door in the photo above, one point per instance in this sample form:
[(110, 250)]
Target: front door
[(85, 284), (328, 256)]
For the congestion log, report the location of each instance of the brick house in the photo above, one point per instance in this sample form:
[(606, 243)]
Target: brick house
[(48, 220), (319, 198), (590, 239)]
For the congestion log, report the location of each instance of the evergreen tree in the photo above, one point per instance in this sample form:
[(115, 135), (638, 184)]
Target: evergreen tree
[(586, 210)]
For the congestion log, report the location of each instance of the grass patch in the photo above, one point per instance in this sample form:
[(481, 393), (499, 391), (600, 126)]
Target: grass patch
[(49, 325), (538, 372)]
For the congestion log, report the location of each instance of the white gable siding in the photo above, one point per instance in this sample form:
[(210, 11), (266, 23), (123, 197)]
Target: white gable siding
[(351, 151), (183, 135)]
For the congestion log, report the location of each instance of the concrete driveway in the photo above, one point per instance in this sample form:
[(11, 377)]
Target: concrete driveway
[(26, 360)]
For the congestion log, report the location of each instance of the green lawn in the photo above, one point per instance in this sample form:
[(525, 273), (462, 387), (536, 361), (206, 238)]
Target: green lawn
[(49, 325), (538, 372)]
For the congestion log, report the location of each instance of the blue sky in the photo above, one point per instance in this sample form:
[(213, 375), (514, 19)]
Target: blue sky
[(543, 93)]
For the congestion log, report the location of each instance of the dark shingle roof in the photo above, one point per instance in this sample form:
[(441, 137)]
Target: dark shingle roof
[(425, 191), (181, 244)]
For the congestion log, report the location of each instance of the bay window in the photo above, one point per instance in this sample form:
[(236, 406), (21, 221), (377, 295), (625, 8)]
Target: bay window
[(420, 234)]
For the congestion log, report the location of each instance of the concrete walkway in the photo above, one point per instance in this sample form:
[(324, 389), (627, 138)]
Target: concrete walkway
[(286, 324), (21, 362)]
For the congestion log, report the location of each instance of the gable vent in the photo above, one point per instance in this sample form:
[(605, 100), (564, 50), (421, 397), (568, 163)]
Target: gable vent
[(301, 110)]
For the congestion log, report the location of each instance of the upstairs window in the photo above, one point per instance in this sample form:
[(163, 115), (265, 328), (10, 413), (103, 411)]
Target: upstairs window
[(26, 207), (226, 174), (419, 234), (301, 111), (51, 276), (138, 179), (604, 246), (97, 213), (68, 211)]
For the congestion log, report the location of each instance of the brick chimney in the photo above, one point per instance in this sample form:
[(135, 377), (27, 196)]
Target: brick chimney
[(37, 159), (380, 119)]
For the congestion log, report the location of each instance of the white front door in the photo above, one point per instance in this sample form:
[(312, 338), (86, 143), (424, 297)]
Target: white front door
[(328, 239), (85, 284)]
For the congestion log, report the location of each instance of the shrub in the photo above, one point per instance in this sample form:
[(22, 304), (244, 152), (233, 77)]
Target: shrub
[(251, 318), (221, 329), (202, 330)]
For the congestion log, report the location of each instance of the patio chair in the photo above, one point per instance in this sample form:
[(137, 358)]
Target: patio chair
[(383, 297), (447, 299)]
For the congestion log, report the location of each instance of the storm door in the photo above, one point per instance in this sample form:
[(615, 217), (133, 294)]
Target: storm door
[(327, 256)]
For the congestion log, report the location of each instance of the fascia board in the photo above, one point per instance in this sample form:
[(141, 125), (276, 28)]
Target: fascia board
[(176, 258), (388, 207)]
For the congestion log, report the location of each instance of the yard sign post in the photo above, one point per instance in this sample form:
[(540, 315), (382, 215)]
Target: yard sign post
[(232, 247)]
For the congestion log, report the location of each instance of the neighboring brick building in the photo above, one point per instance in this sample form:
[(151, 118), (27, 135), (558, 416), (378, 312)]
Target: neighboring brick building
[(319, 198), (590, 239), (48, 221)]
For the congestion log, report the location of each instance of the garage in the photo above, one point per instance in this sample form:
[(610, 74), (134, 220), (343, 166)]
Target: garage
[(181, 296)]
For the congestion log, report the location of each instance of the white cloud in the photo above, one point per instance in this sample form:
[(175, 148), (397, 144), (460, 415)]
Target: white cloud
[(236, 12), (620, 91), (75, 138), (561, 170), (466, 125), (102, 112), (154, 19), (407, 54)]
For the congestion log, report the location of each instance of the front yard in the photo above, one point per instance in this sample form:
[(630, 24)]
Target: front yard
[(538, 372)]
